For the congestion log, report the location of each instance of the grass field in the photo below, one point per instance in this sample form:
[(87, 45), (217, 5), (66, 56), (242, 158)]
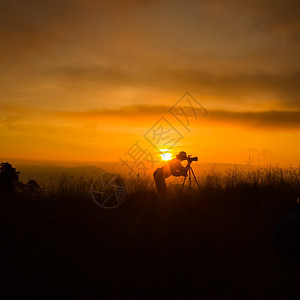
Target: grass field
[(215, 243)]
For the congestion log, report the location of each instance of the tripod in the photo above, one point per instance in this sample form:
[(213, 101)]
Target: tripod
[(190, 170)]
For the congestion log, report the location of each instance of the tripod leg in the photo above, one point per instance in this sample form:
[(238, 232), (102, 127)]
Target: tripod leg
[(190, 179), (183, 183), (195, 178)]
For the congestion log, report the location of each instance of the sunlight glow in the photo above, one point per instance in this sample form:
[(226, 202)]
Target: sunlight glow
[(166, 155)]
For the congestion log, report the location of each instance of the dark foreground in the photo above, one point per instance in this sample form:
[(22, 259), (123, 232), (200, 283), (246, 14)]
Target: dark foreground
[(217, 246)]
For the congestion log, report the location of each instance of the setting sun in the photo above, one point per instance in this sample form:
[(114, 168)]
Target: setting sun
[(166, 155)]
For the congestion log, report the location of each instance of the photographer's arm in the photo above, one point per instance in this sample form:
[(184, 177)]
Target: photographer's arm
[(182, 171), (177, 174)]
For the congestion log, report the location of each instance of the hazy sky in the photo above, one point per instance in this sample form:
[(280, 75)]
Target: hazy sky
[(86, 79)]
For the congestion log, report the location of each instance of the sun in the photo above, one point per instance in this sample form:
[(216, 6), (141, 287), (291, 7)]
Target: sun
[(165, 155)]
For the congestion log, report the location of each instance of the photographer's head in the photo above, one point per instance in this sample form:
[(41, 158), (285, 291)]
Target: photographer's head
[(182, 156)]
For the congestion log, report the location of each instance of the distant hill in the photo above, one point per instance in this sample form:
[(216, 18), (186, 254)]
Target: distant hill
[(43, 172)]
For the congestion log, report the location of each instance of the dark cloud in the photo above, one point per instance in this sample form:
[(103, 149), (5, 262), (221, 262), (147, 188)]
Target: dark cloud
[(261, 119), (284, 88), (272, 119), (279, 16), (28, 27), (264, 119), (123, 112), (226, 50)]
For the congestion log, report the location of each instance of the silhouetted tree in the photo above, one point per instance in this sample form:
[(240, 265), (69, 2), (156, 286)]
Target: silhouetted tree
[(20, 187), (29, 191), (8, 178), (33, 187), (33, 190)]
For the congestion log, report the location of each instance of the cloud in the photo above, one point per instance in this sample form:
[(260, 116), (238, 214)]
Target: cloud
[(280, 17), (74, 52), (282, 87), (264, 119), (137, 114), (78, 86)]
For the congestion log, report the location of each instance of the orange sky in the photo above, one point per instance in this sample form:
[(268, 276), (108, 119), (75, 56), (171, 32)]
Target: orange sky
[(84, 80)]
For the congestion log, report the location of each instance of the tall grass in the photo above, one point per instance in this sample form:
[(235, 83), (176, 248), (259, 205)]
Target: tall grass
[(270, 176), (212, 243), (70, 188)]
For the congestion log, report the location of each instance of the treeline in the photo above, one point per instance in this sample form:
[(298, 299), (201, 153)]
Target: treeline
[(11, 188)]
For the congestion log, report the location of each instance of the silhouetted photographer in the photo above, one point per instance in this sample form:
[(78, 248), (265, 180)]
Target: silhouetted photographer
[(174, 168)]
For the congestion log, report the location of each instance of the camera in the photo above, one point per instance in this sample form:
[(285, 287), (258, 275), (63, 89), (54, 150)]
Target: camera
[(190, 159)]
